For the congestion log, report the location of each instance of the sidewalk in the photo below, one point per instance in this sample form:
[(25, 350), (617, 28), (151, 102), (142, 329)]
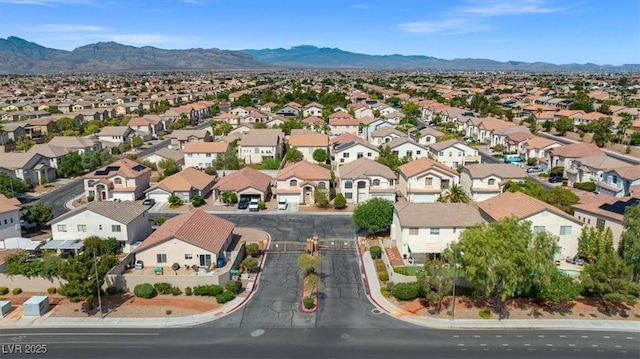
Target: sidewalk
[(549, 324)]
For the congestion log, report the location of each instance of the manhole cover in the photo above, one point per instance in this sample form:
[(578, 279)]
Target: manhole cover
[(345, 336), (257, 333), (376, 311)]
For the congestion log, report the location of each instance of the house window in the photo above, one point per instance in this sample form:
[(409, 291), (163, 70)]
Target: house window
[(369, 154), (189, 154), (188, 256), (116, 228), (293, 183), (205, 260), (391, 182), (413, 231), (345, 155), (322, 185), (418, 152), (565, 230), (117, 181), (362, 184), (615, 179), (455, 229), (538, 229), (450, 154), (256, 150), (376, 182), (440, 153), (409, 154), (434, 231), (492, 181), (396, 153), (208, 155), (600, 223), (359, 154), (5, 221), (161, 258), (82, 228), (348, 195), (428, 181), (348, 185), (62, 228)]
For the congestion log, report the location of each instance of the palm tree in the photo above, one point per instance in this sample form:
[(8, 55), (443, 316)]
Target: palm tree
[(454, 194)]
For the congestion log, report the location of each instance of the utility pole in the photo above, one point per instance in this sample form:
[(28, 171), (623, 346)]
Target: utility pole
[(95, 266)]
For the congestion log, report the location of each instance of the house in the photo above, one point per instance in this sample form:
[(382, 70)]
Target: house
[(202, 154), (340, 122), (288, 111), (246, 182), (454, 153), (185, 184), (364, 179), (486, 180), (424, 180), (115, 134), (124, 180), (501, 136), (312, 109), (314, 122), (261, 144), (604, 211), (351, 151), (52, 153), (9, 217), (30, 167), (405, 147), (361, 111), (619, 182), (180, 137), (165, 153), (307, 143), (384, 135), (76, 144), (425, 230), (297, 182), (537, 147), (591, 168), (192, 238), (128, 222), (543, 217), (429, 135), (147, 127), (11, 132)]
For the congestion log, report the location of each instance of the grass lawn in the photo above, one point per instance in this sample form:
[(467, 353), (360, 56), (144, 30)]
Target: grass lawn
[(413, 270)]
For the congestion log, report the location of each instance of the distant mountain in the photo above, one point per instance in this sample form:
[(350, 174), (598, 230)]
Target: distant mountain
[(311, 56), (18, 56)]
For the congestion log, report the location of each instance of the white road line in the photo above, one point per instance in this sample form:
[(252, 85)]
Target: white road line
[(607, 337), (549, 345), (584, 336), (460, 345), (540, 336), (572, 345), (498, 336), (80, 334), (483, 344), (562, 336), (456, 336), (527, 345), (505, 345), (476, 336), (519, 336), (618, 346), (594, 345), (630, 338)]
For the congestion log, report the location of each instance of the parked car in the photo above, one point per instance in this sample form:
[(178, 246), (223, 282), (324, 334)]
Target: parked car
[(556, 179), (243, 203), (139, 264), (254, 205), (149, 202), (534, 169), (282, 203), (26, 225)]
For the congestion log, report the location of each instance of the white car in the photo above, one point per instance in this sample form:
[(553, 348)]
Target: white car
[(254, 205), (282, 203)]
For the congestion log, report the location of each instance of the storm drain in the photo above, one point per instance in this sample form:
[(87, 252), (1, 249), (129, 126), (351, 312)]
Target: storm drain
[(376, 311)]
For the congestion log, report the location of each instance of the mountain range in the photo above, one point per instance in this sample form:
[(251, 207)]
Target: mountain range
[(18, 56)]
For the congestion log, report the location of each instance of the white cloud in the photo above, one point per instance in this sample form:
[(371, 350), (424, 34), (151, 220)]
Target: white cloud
[(501, 8), (67, 28), (454, 26)]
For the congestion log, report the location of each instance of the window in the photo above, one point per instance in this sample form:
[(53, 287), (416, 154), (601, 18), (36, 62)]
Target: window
[(188, 256), (565, 230), (538, 229), (62, 228), (348, 185), (82, 228), (418, 152), (362, 184), (189, 154), (434, 231), (116, 228), (205, 260), (100, 227), (391, 182), (359, 154), (615, 179), (396, 153), (428, 181), (455, 229), (369, 154), (600, 223), (208, 155), (293, 183), (589, 221), (322, 185), (348, 195), (161, 258), (409, 154), (11, 219), (376, 182), (413, 231), (5, 221), (345, 155), (492, 181), (117, 181), (440, 153), (450, 153)]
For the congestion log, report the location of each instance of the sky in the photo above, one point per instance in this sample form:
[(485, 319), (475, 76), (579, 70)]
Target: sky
[(556, 31)]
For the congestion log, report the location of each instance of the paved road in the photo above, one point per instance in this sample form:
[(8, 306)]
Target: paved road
[(319, 343), (59, 196)]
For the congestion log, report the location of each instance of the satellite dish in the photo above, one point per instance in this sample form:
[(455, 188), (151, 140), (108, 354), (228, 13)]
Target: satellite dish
[(175, 266)]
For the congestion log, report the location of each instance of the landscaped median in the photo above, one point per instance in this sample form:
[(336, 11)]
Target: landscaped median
[(308, 263)]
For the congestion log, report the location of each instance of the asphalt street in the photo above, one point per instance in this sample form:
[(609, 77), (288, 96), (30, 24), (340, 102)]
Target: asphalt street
[(58, 197)]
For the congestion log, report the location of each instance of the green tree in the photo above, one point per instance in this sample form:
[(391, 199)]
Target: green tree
[(169, 167), (321, 197), (70, 165), (339, 202), (39, 214), (308, 263), (243, 100), (320, 155), (221, 128), (93, 243), (602, 131), (374, 215), (560, 289), (227, 161), (435, 281), (225, 197), (197, 201), (611, 279), (558, 197), (390, 159), (24, 143), (411, 109), (80, 276), (563, 125), (454, 194), (175, 201), (593, 243), (92, 160), (137, 141), (12, 187), (393, 101), (260, 125), (215, 109), (293, 155), (291, 124), (65, 123), (629, 246)]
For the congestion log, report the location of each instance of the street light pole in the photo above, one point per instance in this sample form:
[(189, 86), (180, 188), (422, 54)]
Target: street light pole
[(95, 266), (455, 276)]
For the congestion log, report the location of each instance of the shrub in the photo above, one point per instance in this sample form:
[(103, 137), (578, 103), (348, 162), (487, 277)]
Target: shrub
[(211, 290), (309, 302), (532, 161), (234, 286), (556, 171), (197, 201), (188, 291), (383, 276), (90, 198), (163, 287), (111, 290), (262, 205), (380, 266), (250, 264), (339, 202), (159, 220), (585, 186), (144, 290), (405, 291), (376, 252), (385, 292), (60, 291), (16, 291), (169, 312), (252, 249), (4, 290), (52, 290), (485, 314), (225, 297), (175, 291)]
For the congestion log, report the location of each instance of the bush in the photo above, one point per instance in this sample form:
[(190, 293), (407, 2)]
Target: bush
[(485, 314), (339, 202), (556, 171), (144, 290), (401, 270), (163, 287), (385, 292), (383, 276), (211, 290), (60, 291), (376, 252), (234, 286), (16, 291), (111, 290), (188, 291), (224, 297), (532, 161), (309, 302), (262, 205), (197, 201), (405, 291), (176, 291), (159, 220), (252, 249), (250, 265), (52, 290), (4, 290), (380, 266), (585, 186), (169, 312), (90, 198)]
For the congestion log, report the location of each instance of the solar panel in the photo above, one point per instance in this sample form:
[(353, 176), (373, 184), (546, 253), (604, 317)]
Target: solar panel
[(619, 206), (139, 168)]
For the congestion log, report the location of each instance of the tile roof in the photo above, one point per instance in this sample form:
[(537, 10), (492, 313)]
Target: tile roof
[(537, 142), (124, 167), (629, 172), (576, 150), (343, 121), (185, 134), (602, 162), (346, 137), (312, 119), (121, 212), (309, 140), (437, 215), (422, 165), (304, 170), (430, 131), (9, 204), (386, 131), (364, 167), (166, 152), (243, 179), (519, 205), (502, 170), (184, 181), (195, 227), (113, 131), (439, 146), (206, 147), (49, 151), (262, 137), (72, 142), (15, 160)]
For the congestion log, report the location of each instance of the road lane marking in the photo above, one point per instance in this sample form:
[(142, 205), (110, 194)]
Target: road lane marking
[(519, 336), (527, 345), (460, 345), (562, 336), (607, 337), (476, 336), (80, 334), (456, 336), (594, 345), (505, 345), (549, 345), (498, 336), (483, 344), (572, 345), (540, 336), (630, 338), (584, 336)]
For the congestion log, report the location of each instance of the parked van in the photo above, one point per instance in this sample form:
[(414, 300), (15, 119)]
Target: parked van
[(512, 158)]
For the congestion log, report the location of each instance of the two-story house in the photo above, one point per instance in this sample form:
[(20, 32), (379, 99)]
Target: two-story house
[(385, 134), (297, 182), (620, 182), (454, 153), (340, 122), (604, 211), (308, 142), (115, 134), (537, 148), (202, 154), (180, 137), (352, 150), (9, 217), (261, 144), (30, 167), (312, 109), (364, 179), (424, 180), (123, 180), (405, 147), (562, 156), (429, 135), (486, 180)]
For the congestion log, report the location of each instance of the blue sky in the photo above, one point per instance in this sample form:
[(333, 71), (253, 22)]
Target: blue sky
[(558, 31)]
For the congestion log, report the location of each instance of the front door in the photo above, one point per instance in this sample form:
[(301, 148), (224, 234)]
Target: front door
[(205, 260)]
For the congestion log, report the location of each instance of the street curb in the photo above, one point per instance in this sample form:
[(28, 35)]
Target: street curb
[(365, 280)]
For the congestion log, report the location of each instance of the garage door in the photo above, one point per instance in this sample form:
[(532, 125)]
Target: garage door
[(424, 198), (159, 197), (291, 198)]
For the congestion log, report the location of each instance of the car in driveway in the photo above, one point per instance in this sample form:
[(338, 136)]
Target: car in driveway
[(149, 202), (556, 179), (534, 169), (254, 205), (243, 203), (282, 204)]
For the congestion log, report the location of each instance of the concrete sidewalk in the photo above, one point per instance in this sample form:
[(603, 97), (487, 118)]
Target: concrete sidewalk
[(549, 324)]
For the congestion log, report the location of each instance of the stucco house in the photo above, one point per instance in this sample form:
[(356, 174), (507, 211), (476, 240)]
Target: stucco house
[(185, 184), (202, 154), (604, 211), (543, 217), (115, 134), (246, 182), (364, 179), (123, 180), (562, 156), (454, 153), (482, 181), (620, 182), (537, 147), (405, 147), (312, 109), (307, 143), (9, 217), (351, 151), (128, 222), (425, 230), (165, 153), (424, 180), (384, 135), (180, 137), (261, 144), (30, 167), (340, 122), (429, 135), (297, 182), (192, 238)]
